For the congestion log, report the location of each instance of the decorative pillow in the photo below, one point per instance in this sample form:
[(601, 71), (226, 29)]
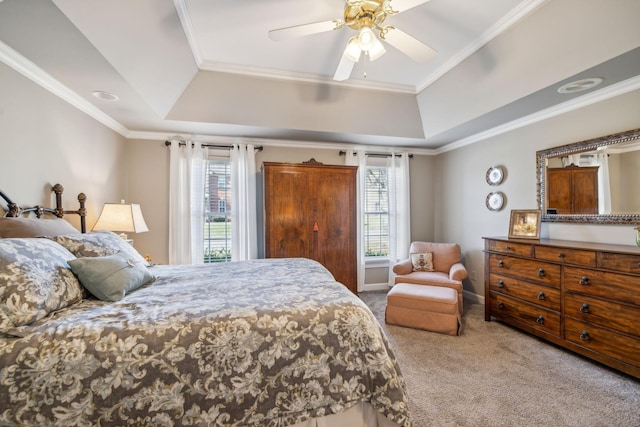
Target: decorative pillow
[(422, 262), (110, 277), (98, 243), (34, 227), (35, 280)]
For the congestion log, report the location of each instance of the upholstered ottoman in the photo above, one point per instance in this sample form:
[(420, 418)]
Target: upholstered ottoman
[(432, 308)]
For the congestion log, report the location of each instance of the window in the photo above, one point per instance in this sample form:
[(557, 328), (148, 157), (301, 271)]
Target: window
[(376, 212), (217, 215)]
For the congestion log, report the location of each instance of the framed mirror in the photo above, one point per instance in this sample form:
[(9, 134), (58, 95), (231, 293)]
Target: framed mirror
[(594, 181)]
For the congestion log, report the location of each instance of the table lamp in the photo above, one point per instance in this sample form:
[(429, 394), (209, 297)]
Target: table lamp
[(123, 218)]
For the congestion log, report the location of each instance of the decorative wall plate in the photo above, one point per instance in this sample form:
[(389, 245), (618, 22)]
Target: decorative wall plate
[(495, 201), (495, 175)]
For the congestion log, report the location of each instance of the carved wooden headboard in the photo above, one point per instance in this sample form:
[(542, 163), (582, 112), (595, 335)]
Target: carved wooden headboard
[(13, 210)]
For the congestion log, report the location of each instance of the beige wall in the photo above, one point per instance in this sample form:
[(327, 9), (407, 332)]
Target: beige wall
[(461, 215), (44, 141)]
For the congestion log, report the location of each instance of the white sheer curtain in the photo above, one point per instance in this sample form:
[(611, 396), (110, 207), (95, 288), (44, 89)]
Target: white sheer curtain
[(604, 186), (358, 158), (399, 210), (244, 234), (187, 164)]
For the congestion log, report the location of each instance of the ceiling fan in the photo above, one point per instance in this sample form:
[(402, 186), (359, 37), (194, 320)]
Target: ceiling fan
[(364, 16)]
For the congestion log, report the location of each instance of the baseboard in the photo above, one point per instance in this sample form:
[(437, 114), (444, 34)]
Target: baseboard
[(473, 298)]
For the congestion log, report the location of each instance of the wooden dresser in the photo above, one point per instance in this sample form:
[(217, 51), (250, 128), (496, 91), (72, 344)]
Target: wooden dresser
[(310, 211), (582, 296)]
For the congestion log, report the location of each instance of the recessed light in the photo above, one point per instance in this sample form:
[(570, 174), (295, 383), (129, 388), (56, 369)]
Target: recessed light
[(106, 96), (580, 85)]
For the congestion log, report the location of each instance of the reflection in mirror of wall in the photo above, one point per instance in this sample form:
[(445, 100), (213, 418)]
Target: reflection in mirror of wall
[(592, 181)]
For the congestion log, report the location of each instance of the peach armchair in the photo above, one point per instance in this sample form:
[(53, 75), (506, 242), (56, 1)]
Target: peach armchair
[(448, 270)]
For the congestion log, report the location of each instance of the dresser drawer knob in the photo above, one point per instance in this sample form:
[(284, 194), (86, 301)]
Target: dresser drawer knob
[(584, 336), (507, 248), (500, 263), (561, 255), (540, 320), (501, 283), (541, 296), (585, 308), (500, 305), (541, 273), (584, 281)]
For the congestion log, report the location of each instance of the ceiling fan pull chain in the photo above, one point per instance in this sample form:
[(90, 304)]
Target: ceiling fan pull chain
[(366, 55)]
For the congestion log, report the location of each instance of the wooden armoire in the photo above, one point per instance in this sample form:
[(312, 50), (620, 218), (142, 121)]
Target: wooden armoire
[(310, 211), (573, 189)]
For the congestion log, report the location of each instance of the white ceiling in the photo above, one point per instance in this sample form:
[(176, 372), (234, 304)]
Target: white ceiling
[(207, 68)]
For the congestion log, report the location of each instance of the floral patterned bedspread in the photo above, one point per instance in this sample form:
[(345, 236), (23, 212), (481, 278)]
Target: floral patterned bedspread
[(256, 343)]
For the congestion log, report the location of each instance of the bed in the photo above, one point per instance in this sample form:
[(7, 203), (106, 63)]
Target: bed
[(269, 342)]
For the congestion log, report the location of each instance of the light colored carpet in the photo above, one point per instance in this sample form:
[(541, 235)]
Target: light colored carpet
[(494, 375)]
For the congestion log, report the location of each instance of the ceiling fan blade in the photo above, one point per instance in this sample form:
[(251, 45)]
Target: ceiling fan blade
[(343, 72), (305, 29), (408, 45), (397, 6)]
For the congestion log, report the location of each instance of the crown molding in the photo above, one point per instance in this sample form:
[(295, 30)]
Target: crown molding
[(270, 142), (594, 97), (187, 27), (30, 70), (513, 17), (303, 77)]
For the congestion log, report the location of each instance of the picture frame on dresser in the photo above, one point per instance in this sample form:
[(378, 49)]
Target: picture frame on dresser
[(525, 224)]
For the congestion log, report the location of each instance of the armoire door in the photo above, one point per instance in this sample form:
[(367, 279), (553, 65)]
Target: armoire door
[(287, 207), (310, 211), (585, 190), (573, 189), (335, 222)]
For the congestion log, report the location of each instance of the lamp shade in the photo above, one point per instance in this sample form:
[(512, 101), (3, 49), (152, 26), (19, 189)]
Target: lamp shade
[(126, 218)]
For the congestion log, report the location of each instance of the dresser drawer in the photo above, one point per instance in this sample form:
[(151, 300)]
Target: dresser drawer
[(620, 262), (537, 294), (510, 248), (612, 286), (536, 317), (527, 269), (622, 317), (566, 255), (604, 341)]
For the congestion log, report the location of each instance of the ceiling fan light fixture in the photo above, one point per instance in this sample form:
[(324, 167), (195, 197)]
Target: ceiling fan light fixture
[(376, 51), (366, 38), (353, 51)]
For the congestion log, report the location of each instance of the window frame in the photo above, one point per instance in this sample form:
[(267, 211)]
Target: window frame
[(225, 184), (374, 260)]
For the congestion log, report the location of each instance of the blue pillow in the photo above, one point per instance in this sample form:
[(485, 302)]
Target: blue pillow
[(110, 277)]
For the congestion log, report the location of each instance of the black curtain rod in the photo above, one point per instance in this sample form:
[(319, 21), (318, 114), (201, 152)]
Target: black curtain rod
[(182, 144), (343, 153)]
